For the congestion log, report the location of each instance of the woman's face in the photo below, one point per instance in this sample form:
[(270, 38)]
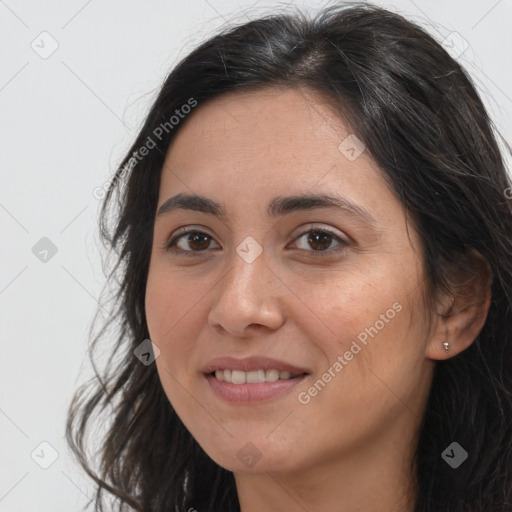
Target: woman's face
[(331, 290)]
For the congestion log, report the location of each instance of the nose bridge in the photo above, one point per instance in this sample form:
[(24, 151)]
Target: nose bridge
[(243, 297), (244, 282)]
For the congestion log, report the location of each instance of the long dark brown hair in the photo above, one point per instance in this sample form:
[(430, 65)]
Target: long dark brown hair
[(424, 124)]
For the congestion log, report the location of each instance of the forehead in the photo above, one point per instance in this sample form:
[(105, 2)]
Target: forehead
[(272, 135), (274, 118)]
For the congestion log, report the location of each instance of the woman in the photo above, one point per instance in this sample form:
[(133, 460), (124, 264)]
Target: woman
[(314, 233)]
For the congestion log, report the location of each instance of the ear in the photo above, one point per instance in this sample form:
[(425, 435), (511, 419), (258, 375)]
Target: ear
[(462, 312)]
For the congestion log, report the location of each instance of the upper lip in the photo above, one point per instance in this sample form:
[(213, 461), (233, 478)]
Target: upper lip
[(250, 364)]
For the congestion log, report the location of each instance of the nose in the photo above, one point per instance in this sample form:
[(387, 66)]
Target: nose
[(247, 299)]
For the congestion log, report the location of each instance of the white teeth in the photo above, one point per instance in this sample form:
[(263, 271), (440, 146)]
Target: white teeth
[(254, 377), (271, 375), (237, 377)]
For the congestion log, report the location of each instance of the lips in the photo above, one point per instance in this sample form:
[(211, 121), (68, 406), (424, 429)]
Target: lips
[(242, 392), (251, 364)]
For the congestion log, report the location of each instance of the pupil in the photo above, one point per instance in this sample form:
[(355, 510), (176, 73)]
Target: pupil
[(317, 236), (195, 239)]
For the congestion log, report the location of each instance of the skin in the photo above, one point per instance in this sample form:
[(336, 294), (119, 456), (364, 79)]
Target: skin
[(350, 447)]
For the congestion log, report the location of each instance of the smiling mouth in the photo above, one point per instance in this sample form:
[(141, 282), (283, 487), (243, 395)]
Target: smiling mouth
[(253, 377), (238, 387)]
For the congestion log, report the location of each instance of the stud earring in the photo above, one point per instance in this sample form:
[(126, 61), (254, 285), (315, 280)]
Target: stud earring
[(446, 345)]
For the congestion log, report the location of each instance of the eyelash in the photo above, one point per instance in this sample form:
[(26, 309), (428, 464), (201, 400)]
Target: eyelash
[(170, 245)]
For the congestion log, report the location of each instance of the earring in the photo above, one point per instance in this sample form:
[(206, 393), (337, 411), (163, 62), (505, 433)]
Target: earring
[(446, 345)]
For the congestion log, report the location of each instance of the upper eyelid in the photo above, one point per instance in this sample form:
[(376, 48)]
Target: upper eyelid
[(342, 237)]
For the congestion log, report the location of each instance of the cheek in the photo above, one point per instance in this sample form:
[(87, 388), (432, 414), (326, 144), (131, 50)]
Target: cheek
[(371, 340), (334, 313), (171, 300), (170, 314), (371, 376)]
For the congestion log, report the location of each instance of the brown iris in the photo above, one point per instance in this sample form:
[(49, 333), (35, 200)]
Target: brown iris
[(320, 238), (198, 241)]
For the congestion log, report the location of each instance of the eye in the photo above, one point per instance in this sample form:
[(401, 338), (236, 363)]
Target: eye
[(191, 241), (320, 240)]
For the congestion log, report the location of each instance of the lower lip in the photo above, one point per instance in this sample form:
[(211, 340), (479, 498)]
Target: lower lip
[(248, 393)]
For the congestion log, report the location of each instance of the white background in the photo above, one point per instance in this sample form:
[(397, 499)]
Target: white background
[(65, 123)]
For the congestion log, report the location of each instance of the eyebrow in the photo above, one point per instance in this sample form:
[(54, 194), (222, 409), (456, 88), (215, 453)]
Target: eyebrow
[(279, 206)]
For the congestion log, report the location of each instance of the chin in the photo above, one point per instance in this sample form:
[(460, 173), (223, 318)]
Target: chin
[(257, 456)]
